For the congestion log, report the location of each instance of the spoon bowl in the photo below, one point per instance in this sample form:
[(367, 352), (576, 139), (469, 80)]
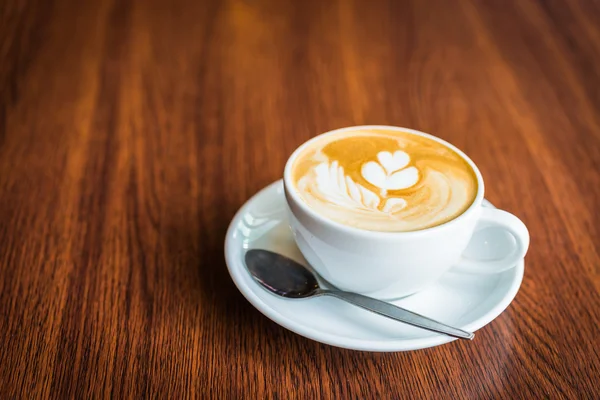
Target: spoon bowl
[(281, 275)]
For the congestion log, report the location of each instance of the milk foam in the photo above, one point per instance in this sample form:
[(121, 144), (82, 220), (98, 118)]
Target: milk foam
[(384, 180), (389, 172), (335, 187)]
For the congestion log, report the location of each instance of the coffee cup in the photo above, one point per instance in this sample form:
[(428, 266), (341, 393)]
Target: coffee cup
[(385, 211)]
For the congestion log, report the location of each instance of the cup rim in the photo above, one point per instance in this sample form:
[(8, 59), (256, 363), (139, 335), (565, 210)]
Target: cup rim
[(289, 187)]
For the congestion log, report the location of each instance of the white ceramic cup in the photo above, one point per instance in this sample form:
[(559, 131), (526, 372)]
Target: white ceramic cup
[(390, 265)]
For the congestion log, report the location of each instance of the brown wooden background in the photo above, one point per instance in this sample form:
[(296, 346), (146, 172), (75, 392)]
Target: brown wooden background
[(131, 132)]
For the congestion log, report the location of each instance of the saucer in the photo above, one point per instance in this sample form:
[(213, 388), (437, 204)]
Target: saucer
[(462, 300)]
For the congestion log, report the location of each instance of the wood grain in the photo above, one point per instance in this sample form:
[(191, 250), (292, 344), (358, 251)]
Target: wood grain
[(131, 131)]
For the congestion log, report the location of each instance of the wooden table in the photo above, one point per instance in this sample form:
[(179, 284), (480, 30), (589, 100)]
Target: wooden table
[(132, 131)]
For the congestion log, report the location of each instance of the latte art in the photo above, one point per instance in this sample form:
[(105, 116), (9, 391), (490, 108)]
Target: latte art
[(384, 180), (334, 185), (388, 173)]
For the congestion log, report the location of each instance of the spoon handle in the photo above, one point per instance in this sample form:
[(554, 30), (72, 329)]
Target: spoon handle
[(398, 314)]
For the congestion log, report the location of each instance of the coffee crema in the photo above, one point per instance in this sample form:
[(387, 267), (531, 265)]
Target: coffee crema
[(384, 180)]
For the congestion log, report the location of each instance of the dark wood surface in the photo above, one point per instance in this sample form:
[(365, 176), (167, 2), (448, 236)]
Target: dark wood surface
[(132, 131)]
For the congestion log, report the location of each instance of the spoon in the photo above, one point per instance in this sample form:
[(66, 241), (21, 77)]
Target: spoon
[(286, 278)]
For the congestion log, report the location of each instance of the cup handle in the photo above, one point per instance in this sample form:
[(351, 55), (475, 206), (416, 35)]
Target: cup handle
[(497, 221)]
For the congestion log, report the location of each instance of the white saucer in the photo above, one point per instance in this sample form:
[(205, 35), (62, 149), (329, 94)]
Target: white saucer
[(466, 301)]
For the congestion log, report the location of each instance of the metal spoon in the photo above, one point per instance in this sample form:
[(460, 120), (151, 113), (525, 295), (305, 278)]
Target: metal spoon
[(286, 278)]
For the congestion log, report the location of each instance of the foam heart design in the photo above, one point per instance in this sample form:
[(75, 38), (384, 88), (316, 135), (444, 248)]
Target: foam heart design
[(393, 162), (389, 173)]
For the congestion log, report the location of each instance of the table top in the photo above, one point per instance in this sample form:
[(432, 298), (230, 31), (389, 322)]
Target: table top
[(132, 131)]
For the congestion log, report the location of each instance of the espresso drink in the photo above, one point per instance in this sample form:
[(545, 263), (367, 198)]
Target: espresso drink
[(384, 180)]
